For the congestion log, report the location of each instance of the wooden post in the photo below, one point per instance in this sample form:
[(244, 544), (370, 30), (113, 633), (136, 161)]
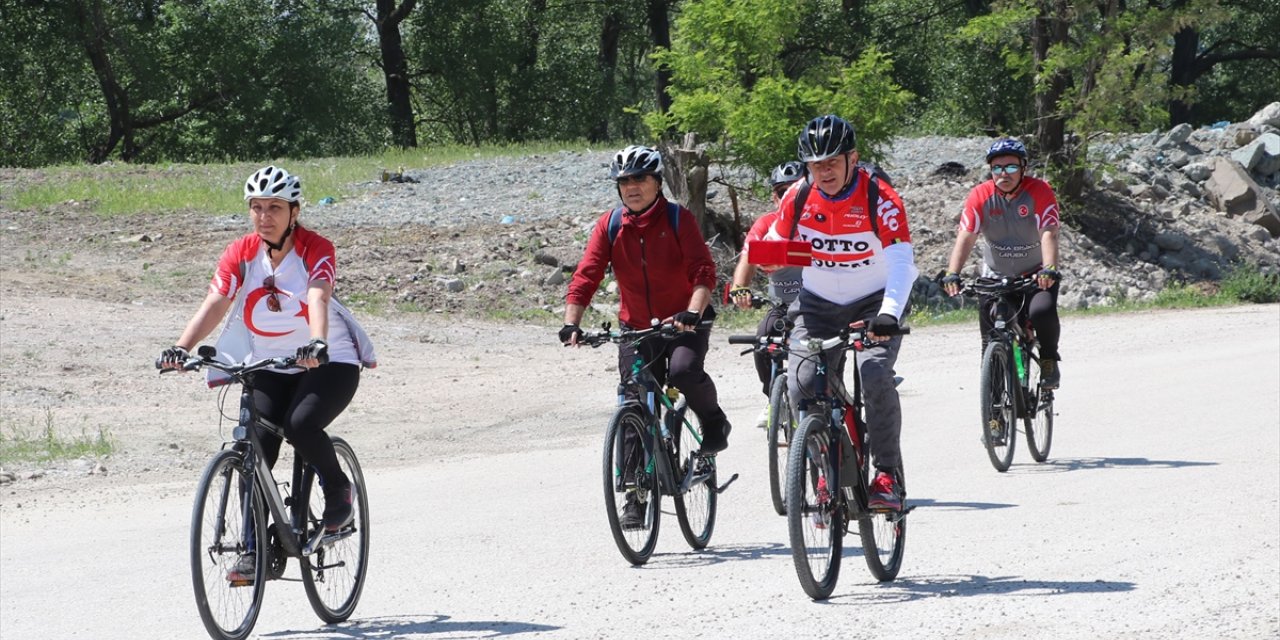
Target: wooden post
[(686, 173)]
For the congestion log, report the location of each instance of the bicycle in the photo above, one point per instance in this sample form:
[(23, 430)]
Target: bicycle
[(782, 419), (239, 513), (828, 480), (1010, 389), (666, 462)]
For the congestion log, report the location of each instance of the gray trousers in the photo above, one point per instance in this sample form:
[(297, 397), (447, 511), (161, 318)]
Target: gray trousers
[(816, 317)]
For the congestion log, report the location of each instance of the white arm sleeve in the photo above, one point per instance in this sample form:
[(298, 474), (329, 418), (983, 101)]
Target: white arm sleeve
[(901, 259)]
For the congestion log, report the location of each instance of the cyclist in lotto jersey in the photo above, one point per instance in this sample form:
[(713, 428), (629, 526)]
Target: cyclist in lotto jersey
[(784, 282), (277, 281), (863, 269), (665, 274), (1018, 216)]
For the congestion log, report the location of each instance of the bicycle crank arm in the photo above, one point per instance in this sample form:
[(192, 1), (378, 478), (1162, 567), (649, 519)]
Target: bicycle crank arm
[(322, 539), (721, 488)]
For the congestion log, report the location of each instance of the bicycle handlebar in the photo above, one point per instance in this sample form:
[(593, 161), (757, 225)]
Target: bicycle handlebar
[(605, 334), (850, 337), (207, 358), (1000, 286)]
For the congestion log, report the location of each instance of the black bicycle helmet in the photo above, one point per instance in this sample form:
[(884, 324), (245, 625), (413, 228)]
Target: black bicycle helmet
[(786, 173), (825, 137), (636, 160)]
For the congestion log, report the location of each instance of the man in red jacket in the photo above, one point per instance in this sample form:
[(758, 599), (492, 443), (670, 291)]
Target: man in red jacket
[(665, 274)]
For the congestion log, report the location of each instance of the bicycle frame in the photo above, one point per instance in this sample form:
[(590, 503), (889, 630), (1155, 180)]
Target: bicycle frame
[(1014, 330), (848, 450)]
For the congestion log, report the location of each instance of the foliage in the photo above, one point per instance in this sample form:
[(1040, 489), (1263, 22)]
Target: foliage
[(730, 86), (43, 443)]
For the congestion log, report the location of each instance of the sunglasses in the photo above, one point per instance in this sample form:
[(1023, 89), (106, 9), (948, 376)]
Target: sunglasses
[(997, 169), (273, 301), (636, 179)]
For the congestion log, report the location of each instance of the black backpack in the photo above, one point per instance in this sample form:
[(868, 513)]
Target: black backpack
[(873, 196)]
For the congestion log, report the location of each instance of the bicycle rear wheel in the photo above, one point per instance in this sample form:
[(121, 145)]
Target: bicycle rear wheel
[(228, 522), (334, 575), (1039, 424), (815, 521), (999, 420), (695, 510), (884, 536), (629, 476), (782, 424)]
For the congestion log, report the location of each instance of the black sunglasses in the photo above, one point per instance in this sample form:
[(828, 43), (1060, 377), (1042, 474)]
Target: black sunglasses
[(273, 302)]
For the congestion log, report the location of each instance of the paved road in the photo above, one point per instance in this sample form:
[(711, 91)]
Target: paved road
[(1158, 516)]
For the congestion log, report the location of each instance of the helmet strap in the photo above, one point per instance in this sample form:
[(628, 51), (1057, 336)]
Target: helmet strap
[(278, 246)]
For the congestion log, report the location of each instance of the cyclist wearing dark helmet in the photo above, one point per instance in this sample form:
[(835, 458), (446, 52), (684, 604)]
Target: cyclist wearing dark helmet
[(784, 282), (863, 269), (1017, 215), (277, 282), (665, 274)]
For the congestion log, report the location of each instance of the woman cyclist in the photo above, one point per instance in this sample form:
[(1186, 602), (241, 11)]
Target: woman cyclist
[(277, 281)]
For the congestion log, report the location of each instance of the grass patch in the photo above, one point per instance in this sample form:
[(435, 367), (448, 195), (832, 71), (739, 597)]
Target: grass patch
[(32, 442), (127, 189)]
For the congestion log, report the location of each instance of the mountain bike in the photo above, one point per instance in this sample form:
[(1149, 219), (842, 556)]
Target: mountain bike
[(650, 450), (782, 418), (241, 514), (829, 473), (1010, 387)]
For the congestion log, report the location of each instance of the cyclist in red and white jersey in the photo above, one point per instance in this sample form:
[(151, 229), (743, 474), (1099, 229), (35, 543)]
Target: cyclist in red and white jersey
[(784, 281), (277, 282), (1018, 216), (863, 269)]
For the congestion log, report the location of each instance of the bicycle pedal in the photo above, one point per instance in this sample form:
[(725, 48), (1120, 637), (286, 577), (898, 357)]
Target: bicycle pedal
[(241, 583)]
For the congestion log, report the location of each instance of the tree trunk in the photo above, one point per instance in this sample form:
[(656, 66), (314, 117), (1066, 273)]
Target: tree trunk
[(607, 62), (1046, 31), (660, 30), (395, 68), (685, 170), (94, 35), (1182, 73)]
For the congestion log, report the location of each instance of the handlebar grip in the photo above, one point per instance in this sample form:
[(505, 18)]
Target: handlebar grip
[(743, 339)]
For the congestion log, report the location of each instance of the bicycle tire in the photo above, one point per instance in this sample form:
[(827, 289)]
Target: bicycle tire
[(999, 417), (334, 576), (815, 521), (636, 545), (695, 510), (228, 611), (1039, 424), (781, 426), (884, 536)]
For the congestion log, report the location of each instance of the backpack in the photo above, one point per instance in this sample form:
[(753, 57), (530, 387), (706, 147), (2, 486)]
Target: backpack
[(873, 196), (615, 220)]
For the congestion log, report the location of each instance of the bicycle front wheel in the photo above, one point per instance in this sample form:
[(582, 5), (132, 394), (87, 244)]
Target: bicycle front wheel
[(631, 496), (999, 418), (884, 537), (696, 509), (1039, 422), (334, 575), (782, 424), (815, 520), (228, 536)]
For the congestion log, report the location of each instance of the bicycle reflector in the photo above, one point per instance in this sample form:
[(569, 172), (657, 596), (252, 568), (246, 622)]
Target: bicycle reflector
[(790, 253)]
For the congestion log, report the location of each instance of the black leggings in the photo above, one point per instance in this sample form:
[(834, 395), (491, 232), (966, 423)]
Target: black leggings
[(680, 359), (1041, 307), (303, 404)]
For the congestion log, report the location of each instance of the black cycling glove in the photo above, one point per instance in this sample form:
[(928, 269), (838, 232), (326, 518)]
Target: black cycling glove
[(317, 348), (884, 325), (952, 278), (688, 318), (1051, 272), (174, 355), (568, 331)]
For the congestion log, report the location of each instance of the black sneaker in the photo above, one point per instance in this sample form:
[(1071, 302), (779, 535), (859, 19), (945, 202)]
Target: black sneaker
[(1050, 374), (715, 437), (632, 514), (338, 510)]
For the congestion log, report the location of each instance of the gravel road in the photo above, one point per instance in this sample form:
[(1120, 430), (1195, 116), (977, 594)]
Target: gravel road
[(1157, 515)]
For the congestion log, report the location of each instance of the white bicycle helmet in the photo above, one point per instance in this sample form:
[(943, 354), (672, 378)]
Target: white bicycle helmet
[(636, 160), (273, 182)]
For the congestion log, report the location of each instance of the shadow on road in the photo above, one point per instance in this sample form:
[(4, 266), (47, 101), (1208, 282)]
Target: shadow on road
[(716, 554), (414, 626), (1081, 464), (942, 505), (908, 589)]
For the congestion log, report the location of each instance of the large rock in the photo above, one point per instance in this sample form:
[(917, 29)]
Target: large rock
[(1233, 191), (1268, 115), (1269, 160), (1176, 136)]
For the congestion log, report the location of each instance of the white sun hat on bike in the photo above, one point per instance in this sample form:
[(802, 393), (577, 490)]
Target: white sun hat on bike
[(273, 182)]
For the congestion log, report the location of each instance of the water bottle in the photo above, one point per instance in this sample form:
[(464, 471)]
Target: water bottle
[(1019, 360)]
